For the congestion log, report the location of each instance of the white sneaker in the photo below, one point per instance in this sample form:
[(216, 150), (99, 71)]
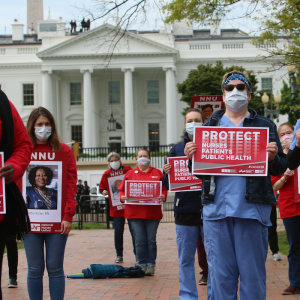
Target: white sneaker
[(276, 257)]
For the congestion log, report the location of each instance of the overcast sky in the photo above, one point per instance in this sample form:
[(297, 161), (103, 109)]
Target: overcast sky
[(17, 9)]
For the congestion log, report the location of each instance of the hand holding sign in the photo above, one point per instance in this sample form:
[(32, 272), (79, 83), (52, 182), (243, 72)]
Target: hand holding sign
[(272, 150), (167, 168), (190, 149), (7, 172), (123, 199)]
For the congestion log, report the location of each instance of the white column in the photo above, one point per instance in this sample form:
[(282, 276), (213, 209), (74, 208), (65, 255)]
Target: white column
[(47, 89), (129, 117), (58, 105), (87, 108), (171, 112)]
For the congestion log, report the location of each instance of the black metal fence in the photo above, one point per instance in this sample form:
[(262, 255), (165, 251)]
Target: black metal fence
[(95, 209), (158, 153)]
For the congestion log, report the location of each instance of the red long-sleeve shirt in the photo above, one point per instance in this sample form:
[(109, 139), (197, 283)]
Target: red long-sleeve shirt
[(103, 186), (22, 148), (287, 206), (70, 208), (152, 212)]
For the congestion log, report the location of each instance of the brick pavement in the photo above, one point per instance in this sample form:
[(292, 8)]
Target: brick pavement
[(96, 246)]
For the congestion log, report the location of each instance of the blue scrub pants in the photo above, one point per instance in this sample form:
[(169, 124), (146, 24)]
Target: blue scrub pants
[(236, 248), (187, 239)]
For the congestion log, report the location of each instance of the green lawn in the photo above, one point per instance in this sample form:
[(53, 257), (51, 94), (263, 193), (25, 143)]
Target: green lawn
[(283, 243), (90, 226)]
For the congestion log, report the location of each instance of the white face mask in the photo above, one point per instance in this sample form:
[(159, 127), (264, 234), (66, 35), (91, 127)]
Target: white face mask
[(42, 133), (189, 127), (236, 100), (115, 165)]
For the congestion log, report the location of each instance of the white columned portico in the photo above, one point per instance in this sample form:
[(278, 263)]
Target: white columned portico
[(171, 111), (129, 118), (47, 89), (87, 108)]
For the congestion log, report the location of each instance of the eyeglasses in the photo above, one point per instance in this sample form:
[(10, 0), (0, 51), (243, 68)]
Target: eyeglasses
[(239, 87)]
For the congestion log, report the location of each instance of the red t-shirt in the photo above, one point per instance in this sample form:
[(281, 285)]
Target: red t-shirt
[(22, 148), (286, 203), (152, 212), (103, 186), (70, 208)]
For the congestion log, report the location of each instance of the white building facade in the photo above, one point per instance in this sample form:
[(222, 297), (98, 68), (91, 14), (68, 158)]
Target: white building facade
[(79, 79)]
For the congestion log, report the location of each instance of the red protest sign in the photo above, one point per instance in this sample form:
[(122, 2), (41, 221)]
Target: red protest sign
[(213, 101), (44, 188), (143, 192), (297, 186), (113, 180), (239, 151), (2, 187), (180, 178)]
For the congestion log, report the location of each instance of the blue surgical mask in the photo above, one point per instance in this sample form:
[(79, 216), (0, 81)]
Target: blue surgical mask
[(143, 161), (189, 127), (236, 100)]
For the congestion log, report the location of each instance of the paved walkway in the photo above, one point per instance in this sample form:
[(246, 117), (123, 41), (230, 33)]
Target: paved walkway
[(96, 246)]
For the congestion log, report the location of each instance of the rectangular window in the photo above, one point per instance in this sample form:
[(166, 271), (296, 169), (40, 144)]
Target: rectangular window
[(76, 134), (115, 144), (75, 91), (152, 91), (28, 94), (153, 130), (266, 83), (114, 92)]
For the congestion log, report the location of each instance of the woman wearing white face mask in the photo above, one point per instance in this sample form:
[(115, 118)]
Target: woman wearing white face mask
[(41, 129), (237, 209), (115, 164), (144, 218)]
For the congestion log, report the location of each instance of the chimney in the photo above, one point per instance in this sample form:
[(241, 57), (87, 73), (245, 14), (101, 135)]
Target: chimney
[(215, 26), (17, 31)]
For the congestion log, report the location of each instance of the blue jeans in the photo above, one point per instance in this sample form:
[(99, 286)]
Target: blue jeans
[(144, 231), (292, 226), (132, 235), (55, 249), (236, 247), (187, 239)]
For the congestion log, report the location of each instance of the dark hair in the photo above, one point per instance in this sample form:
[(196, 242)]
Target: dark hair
[(287, 124), (196, 110), (32, 174), (143, 149), (206, 106), (53, 140)]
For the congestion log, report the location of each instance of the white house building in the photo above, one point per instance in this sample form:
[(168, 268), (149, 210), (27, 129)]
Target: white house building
[(79, 79)]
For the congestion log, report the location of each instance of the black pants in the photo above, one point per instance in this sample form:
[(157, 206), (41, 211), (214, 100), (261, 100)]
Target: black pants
[(12, 256), (272, 231), (2, 245)]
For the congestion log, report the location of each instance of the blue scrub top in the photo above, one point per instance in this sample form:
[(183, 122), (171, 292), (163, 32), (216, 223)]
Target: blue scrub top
[(294, 141), (230, 197)]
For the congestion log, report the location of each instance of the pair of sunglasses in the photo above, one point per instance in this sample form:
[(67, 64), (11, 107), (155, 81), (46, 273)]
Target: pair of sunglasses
[(239, 87)]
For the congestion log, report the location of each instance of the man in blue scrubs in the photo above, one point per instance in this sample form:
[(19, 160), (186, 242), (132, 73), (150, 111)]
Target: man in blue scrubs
[(236, 209)]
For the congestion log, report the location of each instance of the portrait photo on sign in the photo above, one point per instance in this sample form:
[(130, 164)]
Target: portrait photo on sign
[(42, 185), (208, 109), (114, 183)]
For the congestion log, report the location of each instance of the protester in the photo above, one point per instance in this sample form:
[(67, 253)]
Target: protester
[(289, 210), (187, 212), (41, 129), (12, 258), (17, 149), (144, 218), (207, 111), (115, 164), (237, 209)]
